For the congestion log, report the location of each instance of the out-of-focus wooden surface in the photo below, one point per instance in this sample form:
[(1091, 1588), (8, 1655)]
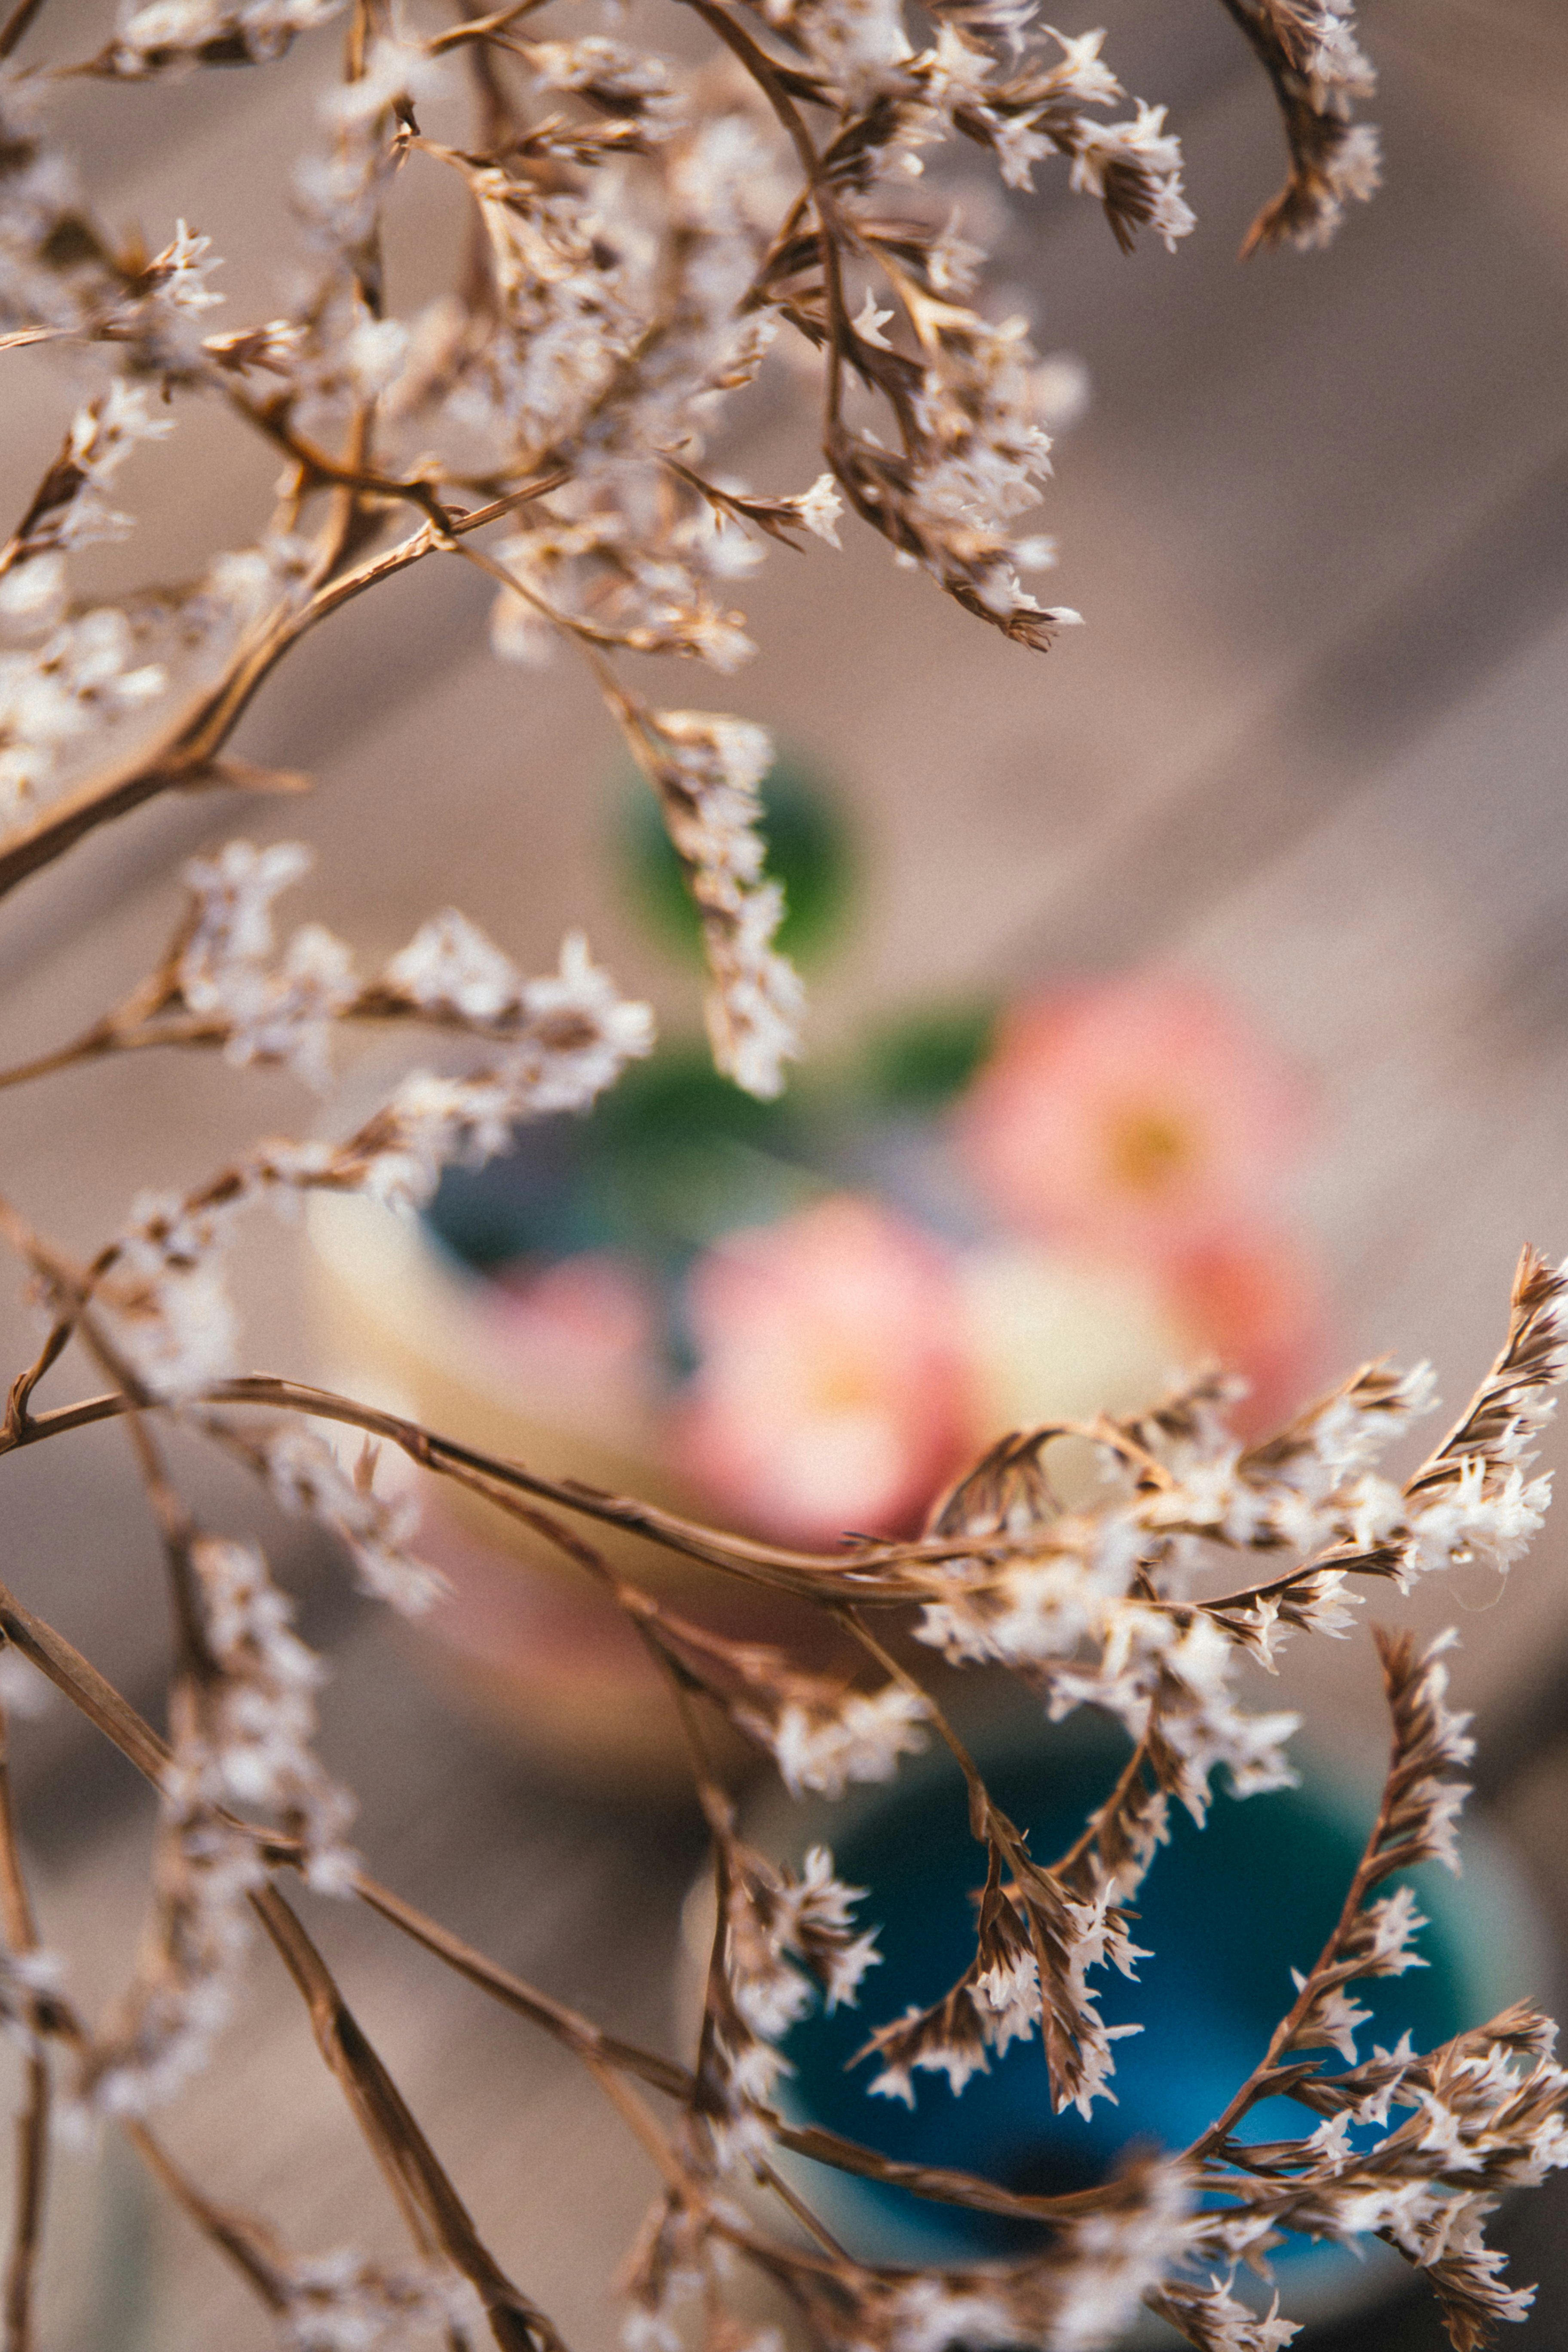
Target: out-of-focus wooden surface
[(1311, 741)]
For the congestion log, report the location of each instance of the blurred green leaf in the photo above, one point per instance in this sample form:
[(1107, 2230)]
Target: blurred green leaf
[(922, 1060)]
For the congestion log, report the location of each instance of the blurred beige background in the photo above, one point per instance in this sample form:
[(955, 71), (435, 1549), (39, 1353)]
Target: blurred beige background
[(1312, 742)]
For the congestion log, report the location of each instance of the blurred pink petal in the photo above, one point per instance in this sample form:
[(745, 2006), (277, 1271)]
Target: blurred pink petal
[(1255, 1300), (1139, 1116), (832, 1391), (582, 1326)]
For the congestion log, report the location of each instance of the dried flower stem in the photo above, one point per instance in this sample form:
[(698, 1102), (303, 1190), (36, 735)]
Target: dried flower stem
[(32, 2131)]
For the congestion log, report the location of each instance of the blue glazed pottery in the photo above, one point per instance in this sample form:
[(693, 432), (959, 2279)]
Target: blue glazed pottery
[(1226, 1913)]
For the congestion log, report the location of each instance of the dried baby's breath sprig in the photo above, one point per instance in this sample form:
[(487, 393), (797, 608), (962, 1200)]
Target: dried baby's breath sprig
[(1489, 2107), (1081, 2295), (1310, 52), (1211, 2318), (642, 236), (706, 770), (242, 1720), (1485, 2112), (639, 239)]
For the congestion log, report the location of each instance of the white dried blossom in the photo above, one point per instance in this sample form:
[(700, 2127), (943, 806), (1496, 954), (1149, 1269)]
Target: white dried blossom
[(450, 966), (776, 1915), (281, 1013), (307, 1478), (71, 690), (707, 769), (188, 1982), (258, 1714), (177, 32), (340, 2302), (861, 1739), (820, 508), (163, 1301), (1117, 2256), (1331, 2021), (1213, 2318), (27, 1979)]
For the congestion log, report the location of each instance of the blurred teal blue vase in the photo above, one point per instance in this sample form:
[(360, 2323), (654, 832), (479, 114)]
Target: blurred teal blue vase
[(1226, 1913)]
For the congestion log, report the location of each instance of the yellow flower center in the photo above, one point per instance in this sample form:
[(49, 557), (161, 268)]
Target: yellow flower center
[(1148, 1148)]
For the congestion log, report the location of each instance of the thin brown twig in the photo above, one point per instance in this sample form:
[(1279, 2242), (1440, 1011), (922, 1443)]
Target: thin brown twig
[(419, 2181), (17, 24), (30, 2187), (197, 735), (78, 1681)]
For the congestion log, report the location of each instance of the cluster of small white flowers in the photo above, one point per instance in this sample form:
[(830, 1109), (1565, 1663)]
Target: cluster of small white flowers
[(339, 2301), (824, 1747), (1432, 1747), (450, 966), (678, 2262), (775, 1915), (707, 769), (1164, 1671), (244, 1728), (1142, 148), (259, 1716), (1320, 73), (1000, 2000), (187, 1984), (26, 1979), (163, 1302), (1112, 2259), (1096, 1607), (67, 694), (164, 35), (70, 508), (307, 1477), (79, 676), (613, 78), (1212, 2318), (1487, 2112), (577, 1035), (52, 269), (933, 2312), (246, 584), (267, 1013)]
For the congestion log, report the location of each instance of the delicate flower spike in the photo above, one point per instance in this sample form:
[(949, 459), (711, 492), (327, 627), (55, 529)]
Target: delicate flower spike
[(1318, 73), (1212, 2320), (861, 1739), (775, 1916), (259, 1713), (449, 966), (307, 1477), (164, 1301), (267, 1013), (707, 769), (69, 509), (174, 35), (1471, 1502), (1427, 1786)]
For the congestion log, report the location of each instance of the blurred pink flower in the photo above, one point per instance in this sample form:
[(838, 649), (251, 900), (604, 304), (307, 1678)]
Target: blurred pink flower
[(1254, 1299), (831, 1391), (581, 1328), (1139, 1116)]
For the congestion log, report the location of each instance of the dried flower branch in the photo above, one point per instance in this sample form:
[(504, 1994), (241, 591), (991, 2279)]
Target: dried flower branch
[(638, 238), (1310, 52)]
